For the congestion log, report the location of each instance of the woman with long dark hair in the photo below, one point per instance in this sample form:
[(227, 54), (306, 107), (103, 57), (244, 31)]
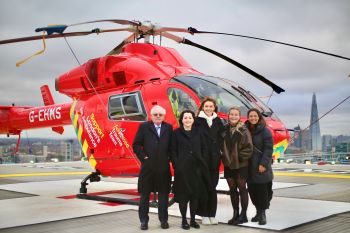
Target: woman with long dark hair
[(188, 156), (260, 170), (237, 150), (212, 127)]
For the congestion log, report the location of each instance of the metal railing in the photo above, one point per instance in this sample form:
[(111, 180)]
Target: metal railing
[(315, 157)]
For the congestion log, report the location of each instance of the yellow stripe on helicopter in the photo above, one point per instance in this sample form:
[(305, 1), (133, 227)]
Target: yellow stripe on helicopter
[(279, 148)]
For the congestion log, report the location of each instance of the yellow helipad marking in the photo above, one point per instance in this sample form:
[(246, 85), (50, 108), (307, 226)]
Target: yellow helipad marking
[(336, 176), (44, 174)]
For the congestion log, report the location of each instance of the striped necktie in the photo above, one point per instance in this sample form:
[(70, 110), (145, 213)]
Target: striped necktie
[(158, 130)]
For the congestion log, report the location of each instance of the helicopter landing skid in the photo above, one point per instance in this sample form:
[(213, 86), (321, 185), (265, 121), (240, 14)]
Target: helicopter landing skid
[(95, 177)]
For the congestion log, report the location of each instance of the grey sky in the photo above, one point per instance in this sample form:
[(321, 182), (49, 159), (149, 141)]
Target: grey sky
[(322, 25)]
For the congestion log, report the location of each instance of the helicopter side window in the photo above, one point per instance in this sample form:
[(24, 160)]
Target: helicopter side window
[(126, 107), (180, 101)]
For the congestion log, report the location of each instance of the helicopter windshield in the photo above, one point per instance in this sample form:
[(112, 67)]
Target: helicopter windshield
[(225, 94)]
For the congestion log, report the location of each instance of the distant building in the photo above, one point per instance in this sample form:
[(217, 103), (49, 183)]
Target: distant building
[(306, 140), (45, 151), (327, 142), (297, 137), (67, 150), (315, 132)]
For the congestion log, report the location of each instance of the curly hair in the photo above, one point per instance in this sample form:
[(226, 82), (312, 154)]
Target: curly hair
[(182, 116), (206, 99)]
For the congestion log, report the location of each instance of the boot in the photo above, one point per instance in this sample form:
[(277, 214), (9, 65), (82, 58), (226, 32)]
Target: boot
[(262, 220), (242, 217), (234, 219), (185, 224), (194, 224), (256, 218)]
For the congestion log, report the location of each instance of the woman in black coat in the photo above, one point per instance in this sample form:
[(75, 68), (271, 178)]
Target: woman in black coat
[(212, 127), (188, 158), (260, 170)]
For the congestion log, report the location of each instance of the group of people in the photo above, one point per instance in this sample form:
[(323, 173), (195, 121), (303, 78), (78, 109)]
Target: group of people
[(195, 150)]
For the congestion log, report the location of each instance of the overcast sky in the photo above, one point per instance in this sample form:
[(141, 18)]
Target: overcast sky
[(322, 25)]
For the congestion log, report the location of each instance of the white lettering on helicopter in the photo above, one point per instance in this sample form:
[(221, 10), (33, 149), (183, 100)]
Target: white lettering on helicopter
[(88, 127), (47, 114), (116, 135), (96, 126)]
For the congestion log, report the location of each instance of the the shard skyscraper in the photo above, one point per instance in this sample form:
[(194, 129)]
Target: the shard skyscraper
[(315, 133)]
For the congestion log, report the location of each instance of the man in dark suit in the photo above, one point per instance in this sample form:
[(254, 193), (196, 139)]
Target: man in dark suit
[(151, 145)]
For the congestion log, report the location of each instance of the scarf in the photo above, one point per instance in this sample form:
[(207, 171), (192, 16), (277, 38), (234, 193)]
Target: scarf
[(209, 119), (234, 128)]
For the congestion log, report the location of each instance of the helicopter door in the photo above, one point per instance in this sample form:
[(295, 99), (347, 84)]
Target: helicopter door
[(180, 100)]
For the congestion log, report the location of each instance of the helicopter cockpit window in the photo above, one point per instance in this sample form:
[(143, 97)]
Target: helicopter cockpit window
[(126, 107), (224, 94), (180, 101)]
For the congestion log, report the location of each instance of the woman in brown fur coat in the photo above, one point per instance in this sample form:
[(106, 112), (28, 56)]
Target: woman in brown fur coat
[(237, 150)]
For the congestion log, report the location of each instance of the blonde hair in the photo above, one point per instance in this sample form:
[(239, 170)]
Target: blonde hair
[(234, 108)]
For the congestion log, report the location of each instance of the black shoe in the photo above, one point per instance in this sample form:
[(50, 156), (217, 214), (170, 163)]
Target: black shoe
[(262, 220), (242, 218), (256, 218), (185, 225), (144, 226), (194, 224), (234, 219), (164, 225)]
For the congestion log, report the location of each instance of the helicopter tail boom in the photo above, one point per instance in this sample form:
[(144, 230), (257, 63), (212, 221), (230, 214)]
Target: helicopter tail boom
[(14, 119)]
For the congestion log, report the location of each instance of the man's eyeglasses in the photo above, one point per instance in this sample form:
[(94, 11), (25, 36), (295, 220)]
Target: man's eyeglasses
[(157, 114)]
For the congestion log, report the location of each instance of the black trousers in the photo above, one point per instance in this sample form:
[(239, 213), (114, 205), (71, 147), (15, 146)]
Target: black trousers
[(212, 202), (162, 207), (260, 194)]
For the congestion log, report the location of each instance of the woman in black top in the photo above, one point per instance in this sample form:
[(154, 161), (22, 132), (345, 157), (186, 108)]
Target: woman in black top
[(260, 170), (212, 127), (191, 180)]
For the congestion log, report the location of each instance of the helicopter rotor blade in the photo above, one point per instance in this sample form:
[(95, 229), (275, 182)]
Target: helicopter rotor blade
[(172, 37), (118, 21), (69, 34), (119, 47), (195, 31), (276, 88), (62, 27), (171, 29)]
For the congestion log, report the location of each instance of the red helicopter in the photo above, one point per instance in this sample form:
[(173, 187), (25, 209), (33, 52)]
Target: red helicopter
[(113, 94)]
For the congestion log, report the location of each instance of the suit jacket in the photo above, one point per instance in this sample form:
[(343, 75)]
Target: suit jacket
[(155, 173)]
